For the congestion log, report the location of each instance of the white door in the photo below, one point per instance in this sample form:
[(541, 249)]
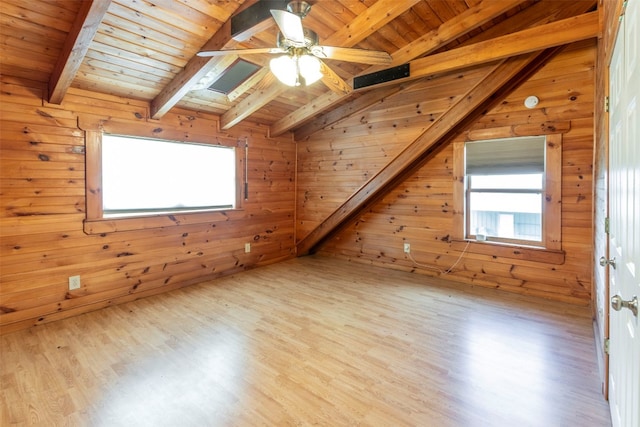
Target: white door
[(624, 210)]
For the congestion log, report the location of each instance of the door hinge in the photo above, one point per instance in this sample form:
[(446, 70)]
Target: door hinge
[(607, 345), (606, 104), (606, 225)]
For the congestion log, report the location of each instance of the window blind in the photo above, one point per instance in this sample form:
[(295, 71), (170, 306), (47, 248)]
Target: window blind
[(505, 156)]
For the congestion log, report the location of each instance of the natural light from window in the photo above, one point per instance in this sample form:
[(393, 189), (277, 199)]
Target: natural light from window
[(506, 206), (150, 176)]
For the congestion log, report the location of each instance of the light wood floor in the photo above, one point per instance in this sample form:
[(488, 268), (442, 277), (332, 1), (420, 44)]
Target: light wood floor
[(311, 341)]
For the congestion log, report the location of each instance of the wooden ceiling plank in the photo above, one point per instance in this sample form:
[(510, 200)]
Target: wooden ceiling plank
[(365, 24), (75, 47), (41, 16), (171, 15), (501, 80), (220, 10), (126, 59), (433, 40), (196, 68), (173, 37)]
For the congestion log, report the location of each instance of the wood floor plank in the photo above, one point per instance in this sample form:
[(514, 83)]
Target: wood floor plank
[(309, 341)]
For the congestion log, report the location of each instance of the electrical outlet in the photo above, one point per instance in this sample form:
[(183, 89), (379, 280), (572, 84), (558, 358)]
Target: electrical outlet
[(247, 248), (74, 282), (407, 248)]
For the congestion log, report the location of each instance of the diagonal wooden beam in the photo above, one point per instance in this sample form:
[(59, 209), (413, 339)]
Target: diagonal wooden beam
[(266, 91), (75, 47), (503, 78), (333, 81), (365, 24), (450, 30), (252, 81)]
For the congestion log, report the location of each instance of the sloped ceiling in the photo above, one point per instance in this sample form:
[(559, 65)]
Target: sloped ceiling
[(147, 49)]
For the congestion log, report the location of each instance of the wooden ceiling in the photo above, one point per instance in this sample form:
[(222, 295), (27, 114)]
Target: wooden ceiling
[(147, 49)]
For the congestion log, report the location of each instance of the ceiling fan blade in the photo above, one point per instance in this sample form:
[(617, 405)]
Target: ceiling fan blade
[(241, 51), (290, 25), (351, 54)]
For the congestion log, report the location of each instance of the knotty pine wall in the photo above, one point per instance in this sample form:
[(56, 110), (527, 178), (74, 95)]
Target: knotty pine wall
[(334, 163), (42, 193)]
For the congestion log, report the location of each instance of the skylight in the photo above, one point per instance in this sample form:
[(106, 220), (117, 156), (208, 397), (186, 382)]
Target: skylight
[(233, 76)]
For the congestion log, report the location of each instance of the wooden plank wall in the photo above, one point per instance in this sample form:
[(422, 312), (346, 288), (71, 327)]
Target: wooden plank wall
[(42, 187), (420, 211)]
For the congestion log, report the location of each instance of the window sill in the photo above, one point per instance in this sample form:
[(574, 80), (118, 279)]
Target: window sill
[(131, 223), (504, 250)]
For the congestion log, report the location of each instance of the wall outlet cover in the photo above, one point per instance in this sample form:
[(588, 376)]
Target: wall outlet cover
[(74, 282)]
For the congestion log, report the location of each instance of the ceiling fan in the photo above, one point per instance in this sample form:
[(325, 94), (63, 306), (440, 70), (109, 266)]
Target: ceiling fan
[(299, 61)]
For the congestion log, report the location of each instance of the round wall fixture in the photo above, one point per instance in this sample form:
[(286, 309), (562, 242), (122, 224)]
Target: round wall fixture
[(531, 101)]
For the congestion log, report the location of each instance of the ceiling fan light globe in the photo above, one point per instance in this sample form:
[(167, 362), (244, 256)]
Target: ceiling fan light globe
[(285, 69), (310, 68)]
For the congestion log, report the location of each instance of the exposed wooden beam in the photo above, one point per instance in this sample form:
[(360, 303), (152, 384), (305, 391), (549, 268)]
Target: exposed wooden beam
[(198, 67), (365, 24), (75, 47), (334, 81), (538, 13), (267, 90), (500, 81), (557, 33), (253, 102), (248, 84), (470, 19)]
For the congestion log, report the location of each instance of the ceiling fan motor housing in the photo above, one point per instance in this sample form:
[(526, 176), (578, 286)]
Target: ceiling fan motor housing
[(300, 8)]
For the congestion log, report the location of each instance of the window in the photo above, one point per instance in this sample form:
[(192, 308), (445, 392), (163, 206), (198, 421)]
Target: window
[(505, 183), (135, 181), (509, 191), (142, 176), (505, 206)]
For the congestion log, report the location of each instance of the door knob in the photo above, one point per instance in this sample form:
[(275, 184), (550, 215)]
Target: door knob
[(617, 303), (611, 262)]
